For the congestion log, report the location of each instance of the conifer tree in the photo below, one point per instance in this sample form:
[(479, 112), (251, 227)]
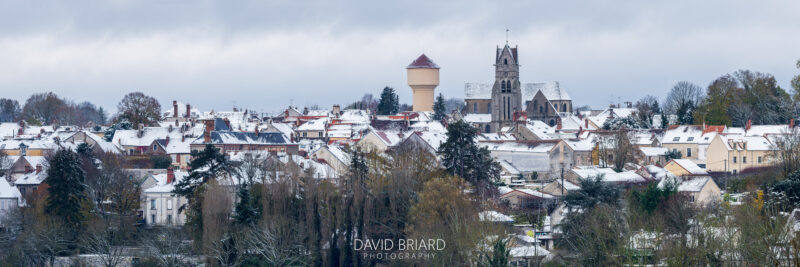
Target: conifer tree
[(461, 156), (389, 103), (67, 189), (439, 110)]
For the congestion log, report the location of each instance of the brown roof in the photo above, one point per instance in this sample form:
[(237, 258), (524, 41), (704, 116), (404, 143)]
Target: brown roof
[(423, 62)]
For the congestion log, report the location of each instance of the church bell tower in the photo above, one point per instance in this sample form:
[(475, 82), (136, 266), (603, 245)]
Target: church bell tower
[(506, 94)]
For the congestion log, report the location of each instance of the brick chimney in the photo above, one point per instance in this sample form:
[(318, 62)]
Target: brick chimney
[(21, 129), (559, 126), (586, 123), (174, 108), (170, 175), (38, 168), (166, 141), (748, 125), (791, 124), (188, 111)]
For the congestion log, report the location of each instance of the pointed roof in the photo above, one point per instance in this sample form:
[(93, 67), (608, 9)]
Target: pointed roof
[(422, 62), (511, 51)]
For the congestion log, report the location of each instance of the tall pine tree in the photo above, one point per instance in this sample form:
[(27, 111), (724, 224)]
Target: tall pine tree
[(439, 110), (461, 156), (67, 189), (389, 103)]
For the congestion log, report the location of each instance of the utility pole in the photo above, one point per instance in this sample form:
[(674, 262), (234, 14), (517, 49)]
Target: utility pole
[(562, 179)]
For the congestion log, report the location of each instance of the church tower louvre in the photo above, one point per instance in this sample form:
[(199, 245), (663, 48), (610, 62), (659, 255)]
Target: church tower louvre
[(506, 93)]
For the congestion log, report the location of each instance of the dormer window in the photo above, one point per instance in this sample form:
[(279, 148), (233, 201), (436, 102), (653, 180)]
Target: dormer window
[(690, 139), (676, 139)]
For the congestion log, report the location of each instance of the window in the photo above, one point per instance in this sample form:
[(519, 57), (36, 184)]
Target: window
[(690, 139), (734, 171), (691, 198), (169, 219), (759, 159), (474, 107), (541, 109), (688, 152), (488, 129), (744, 159), (169, 204), (152, 204), (505, 61), (489, 107), (152, 219), (676, 139), (563, 107), (305, 134), (734, 159)]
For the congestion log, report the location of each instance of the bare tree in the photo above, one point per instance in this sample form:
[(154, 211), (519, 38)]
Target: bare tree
[(623, 150), (139, 109), (682, 99), (101, 241), (646, 108), (167, 247)]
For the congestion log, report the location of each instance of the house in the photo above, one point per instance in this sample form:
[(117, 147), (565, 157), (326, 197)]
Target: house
[(428, 141), (98, 144), (160, 206), (495, 217), (380, 141), (140, 142), (10, 199), (556, 187), (652, 155), (546, 157), (228, 141), (699, 190), (684, 167), (735, 153), (313, 129), (527, 198), (337, 158), (625, 178), (21, 165), (28, 146), (691, 141)]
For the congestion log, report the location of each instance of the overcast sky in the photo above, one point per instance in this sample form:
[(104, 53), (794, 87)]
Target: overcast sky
[(265, 54)]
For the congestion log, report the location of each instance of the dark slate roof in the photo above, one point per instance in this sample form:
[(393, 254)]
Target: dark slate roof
[(220, 125), (228, 137), (162, 142), (423, 62)]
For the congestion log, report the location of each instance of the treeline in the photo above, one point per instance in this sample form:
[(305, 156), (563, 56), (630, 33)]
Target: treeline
[(48, 108)]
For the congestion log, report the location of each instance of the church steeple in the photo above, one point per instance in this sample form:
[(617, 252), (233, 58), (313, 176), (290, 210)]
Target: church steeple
[(506, 94)]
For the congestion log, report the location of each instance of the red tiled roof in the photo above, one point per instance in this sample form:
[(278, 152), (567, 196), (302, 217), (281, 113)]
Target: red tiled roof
[(423, 62)]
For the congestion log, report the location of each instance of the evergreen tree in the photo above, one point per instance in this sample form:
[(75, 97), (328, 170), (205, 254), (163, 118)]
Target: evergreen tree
[(461, 156), (205, 166), (389, 103), (439, 111), (500, 255), (67, 189), (246, 209), (593, 191)]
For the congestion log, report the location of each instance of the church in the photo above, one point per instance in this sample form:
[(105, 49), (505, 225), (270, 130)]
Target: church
[(507, 96)]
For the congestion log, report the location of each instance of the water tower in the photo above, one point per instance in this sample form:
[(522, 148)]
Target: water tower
[(423, 77)]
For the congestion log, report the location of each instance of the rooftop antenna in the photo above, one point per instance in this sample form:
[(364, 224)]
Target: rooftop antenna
[(507, 36)]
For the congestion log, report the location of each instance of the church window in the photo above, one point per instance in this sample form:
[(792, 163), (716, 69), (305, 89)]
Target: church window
[(563, 107), (505, 61), (541, 109)]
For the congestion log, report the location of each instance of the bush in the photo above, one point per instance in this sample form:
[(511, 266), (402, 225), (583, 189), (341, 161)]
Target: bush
[(161, 162)]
